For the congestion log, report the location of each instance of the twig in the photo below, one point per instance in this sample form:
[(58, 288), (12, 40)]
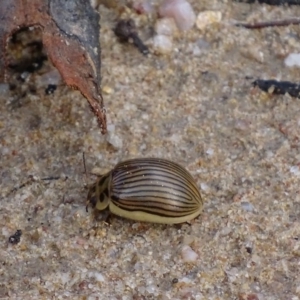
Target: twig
[(126, 31), (259, 25), (33, 179), (272, 2), (278, 87)]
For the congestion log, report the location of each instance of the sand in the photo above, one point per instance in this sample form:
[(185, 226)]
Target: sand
[(196, 106)]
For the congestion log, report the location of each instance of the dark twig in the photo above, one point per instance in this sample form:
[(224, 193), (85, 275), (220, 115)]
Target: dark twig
[(259, 25), (33, 179), (16, 237), (272, 2), (126, 31), (278, 87)]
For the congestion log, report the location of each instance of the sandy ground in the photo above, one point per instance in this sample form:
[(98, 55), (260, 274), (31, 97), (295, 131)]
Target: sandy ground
[(196, 108)]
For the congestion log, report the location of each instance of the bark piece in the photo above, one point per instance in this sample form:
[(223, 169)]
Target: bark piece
[(70, 36)]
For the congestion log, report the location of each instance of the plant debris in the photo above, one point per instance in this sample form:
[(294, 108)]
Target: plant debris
[(126, 32), (15, 238), (278, 87), (274, 23), (272, 2), (70, 37)]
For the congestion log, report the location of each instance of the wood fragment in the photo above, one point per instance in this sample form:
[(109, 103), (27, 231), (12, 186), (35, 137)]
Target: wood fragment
[(70, 36)]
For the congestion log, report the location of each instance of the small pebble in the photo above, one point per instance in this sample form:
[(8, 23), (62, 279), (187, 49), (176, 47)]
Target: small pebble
[(162, 44), (188, 254), (241, 125), (107, 90), (151, 289), (295, 170), (292, 60), (208, 17), (143, 7), (225, 231), (111, 127), (247, 206), (253, 52), (181, 11), (232, 274), (94, 3), (4, 88), (99, 277), (185, 280), (114, 140), (165, 26)]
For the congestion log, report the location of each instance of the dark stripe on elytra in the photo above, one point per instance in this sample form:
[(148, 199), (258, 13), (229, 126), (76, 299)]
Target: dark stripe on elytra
[(117, 200), (155, 205), (148, 168), (161, 163), (145, 199), (139, 166), (150, 161), (122, 179), (163, 201), (162, 194), (150, 172), (140, 184), (149, 175), (138, 194), (185, 189), (158, 211)]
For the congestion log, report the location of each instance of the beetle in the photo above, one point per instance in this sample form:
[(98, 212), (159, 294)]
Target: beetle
[(149, 190)]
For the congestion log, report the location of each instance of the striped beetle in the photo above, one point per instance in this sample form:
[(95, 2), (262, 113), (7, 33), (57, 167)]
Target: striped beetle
[(148, 189)]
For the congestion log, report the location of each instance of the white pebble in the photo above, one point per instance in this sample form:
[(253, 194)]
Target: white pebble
[(210, 151), (151, 289), (185, 280), (188, 254), (295, 170), (5, 232), (181, 11), (225, 231), (204, 186), (110, 127), (165, 26), (99, 277), (107, 90), (247, 206), (207, 18), (4, 88), (5, 151), (232, 274), (143, 6), (114, 140), (293, 59), (162, 44), (94, 3)]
